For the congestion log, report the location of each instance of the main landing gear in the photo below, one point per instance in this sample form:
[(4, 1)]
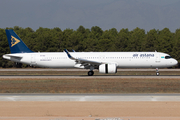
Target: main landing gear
[(157, 72), (90, 73)]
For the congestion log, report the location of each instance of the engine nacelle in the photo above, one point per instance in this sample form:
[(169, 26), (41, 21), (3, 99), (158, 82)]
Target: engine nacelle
[(108, 68)]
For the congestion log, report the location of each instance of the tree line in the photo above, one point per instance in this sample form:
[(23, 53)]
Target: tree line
[(94, 39)]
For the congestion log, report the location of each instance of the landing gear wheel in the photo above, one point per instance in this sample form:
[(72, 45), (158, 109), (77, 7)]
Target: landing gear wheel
[(90, 73), (157, 73)]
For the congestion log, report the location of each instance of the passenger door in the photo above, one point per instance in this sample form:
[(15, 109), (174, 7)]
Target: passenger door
[(33, 59), (157, 59)]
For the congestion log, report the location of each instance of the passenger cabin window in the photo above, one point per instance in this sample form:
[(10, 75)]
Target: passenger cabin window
[(168, 57)]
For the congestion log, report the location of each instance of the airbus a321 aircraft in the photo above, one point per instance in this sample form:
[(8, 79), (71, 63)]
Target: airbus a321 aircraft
[(105, 62)]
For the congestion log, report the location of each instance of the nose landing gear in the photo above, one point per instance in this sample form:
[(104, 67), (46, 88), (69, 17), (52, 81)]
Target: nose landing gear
[(157, 72)]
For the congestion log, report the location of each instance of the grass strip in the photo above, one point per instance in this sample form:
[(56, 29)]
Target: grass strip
[(90, 85)]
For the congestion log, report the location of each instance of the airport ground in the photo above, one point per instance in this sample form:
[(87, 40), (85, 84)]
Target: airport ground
[(77, 81), (90, 110)]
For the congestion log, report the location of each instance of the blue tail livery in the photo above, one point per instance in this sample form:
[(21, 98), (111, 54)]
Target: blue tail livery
[(16, 45)]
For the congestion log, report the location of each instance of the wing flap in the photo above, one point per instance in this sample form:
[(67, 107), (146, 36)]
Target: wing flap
[(84, 61)]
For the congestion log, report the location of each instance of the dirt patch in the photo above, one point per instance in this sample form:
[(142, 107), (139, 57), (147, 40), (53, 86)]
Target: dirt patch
[(86, 109)]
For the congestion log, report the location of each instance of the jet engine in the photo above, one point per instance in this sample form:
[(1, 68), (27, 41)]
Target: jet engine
[(108, 68)]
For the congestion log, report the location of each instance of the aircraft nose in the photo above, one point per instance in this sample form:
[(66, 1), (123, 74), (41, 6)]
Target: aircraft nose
[(175, 62)]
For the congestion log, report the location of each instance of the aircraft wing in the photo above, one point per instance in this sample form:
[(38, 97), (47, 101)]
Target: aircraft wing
[(83, 61)]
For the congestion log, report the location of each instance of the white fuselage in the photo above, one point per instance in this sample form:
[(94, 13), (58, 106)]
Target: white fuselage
[(121, 59)]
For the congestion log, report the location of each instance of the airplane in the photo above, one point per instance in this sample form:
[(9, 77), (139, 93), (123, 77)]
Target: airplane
[(105, 62)]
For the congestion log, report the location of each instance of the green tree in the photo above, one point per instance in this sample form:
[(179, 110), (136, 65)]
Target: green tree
[(176, 48), (96, 32), (107, 40), (66, 36), (4, 48), (165, 41), (122, 39), (151, 41), (136, 38)]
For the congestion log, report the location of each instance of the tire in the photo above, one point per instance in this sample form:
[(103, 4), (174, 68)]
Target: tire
[(157, 74), (90, 73)]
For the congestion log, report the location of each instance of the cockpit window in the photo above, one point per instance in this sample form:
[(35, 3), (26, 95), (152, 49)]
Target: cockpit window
[(168, 57)]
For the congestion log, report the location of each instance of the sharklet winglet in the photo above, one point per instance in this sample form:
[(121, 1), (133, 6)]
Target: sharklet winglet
[(68, 54)]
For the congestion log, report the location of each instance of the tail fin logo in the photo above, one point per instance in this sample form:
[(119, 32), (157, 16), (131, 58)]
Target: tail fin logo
[(14, 41)]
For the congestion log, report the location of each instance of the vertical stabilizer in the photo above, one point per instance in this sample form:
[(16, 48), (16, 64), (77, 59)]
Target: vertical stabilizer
[(16, 45)]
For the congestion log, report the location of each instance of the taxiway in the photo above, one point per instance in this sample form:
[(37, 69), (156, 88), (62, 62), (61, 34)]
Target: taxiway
[(85, 76), (90, 97)]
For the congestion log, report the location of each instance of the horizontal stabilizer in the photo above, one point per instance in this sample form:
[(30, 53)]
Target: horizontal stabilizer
[(12, 56)]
